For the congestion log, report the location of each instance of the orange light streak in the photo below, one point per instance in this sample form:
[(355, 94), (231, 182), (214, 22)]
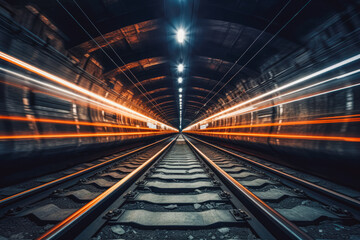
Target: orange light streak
[(242, 111), (290, 136), (96, 124), (278, 89), (77, 135), (349, 116), (82, 103), (309, 122), (72, 86), (280, 103)]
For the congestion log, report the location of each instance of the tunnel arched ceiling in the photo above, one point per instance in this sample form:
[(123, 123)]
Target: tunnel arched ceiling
[(141, 34)]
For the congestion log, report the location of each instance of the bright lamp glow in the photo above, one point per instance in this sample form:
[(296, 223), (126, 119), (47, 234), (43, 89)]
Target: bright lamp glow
[(180, 35), (180, 95), (180, 80), (180, 89), (180, 67)]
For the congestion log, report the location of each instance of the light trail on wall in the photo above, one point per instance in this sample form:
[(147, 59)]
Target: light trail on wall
[(56, 121), (308, 122), (348, 116), (287, 136), (293, 83), (334, 119), (73, 86), (286, 102), (65, 94), (244, 110), (68, 94), (76, 135), (253, 107)]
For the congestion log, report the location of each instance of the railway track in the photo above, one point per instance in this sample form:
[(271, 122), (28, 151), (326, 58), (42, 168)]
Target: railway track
[(30, 208), (179, 197), (319, 210), (187, 189)]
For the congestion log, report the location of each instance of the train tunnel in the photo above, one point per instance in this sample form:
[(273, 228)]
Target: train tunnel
[(179, 119)]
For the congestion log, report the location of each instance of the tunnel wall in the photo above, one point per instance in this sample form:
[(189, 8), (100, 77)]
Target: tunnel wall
[(314, 129), (337, 160), (29, 109)]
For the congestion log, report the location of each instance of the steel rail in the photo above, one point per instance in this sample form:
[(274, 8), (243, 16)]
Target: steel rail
[(347, 200), (21, 195), (76, 220), (278, 225)]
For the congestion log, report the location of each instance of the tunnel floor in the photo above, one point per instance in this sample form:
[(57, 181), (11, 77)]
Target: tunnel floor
[(179, 188)]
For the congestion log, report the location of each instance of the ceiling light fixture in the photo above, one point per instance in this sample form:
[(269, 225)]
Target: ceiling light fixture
[(180, 80), (180, 67), (180, 35)]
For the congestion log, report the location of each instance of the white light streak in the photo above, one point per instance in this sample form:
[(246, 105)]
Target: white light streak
[(72, 86), (300, 80), (255, 106)]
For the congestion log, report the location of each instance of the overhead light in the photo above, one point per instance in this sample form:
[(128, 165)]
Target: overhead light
[(180, 89), (180, 35), (180, 67), (180, 80)]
